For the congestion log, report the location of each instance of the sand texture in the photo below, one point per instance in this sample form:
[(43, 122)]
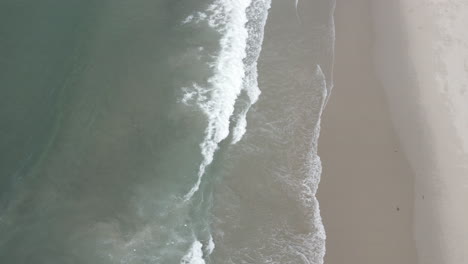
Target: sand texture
[(366, 192), (394, 139), (421, 56)]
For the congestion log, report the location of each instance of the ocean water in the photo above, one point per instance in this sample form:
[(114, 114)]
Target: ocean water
[(162, 131)]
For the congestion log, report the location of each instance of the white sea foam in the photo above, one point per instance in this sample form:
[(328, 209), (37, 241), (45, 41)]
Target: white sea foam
[(257, 16), (234, 72), (252, 91), (194, 255), (211, 246), (313, 169), (297, 11), (302, 182)]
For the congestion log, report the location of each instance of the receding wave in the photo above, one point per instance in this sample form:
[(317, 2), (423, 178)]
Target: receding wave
[(280, 212)]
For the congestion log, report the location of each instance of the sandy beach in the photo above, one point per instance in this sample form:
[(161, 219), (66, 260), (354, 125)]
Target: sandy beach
[(426, 90), (234, 131), (393, 140), (366, 192)]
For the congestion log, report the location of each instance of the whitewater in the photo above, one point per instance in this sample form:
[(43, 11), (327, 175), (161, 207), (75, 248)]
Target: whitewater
[(161, 131)]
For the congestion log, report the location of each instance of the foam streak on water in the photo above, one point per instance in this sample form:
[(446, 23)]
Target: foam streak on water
[(195, 254), (234, 72), (233, 87)]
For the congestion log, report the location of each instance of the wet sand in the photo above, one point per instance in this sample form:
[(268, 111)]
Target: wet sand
[(393, 142), (366, 192)]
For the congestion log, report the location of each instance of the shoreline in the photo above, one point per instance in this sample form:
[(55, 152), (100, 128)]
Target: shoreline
[(401, 75), (366, 192)]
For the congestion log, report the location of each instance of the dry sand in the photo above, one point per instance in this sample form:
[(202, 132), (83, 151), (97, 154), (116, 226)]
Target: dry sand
[(395, 134), (422, 59), (366, 192)]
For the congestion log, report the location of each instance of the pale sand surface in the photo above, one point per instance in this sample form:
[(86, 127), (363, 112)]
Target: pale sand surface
[(428, 98), (366, 192), (401, 82)]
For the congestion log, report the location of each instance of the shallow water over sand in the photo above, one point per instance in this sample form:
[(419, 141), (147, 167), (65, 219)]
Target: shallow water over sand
[(130, 132)]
